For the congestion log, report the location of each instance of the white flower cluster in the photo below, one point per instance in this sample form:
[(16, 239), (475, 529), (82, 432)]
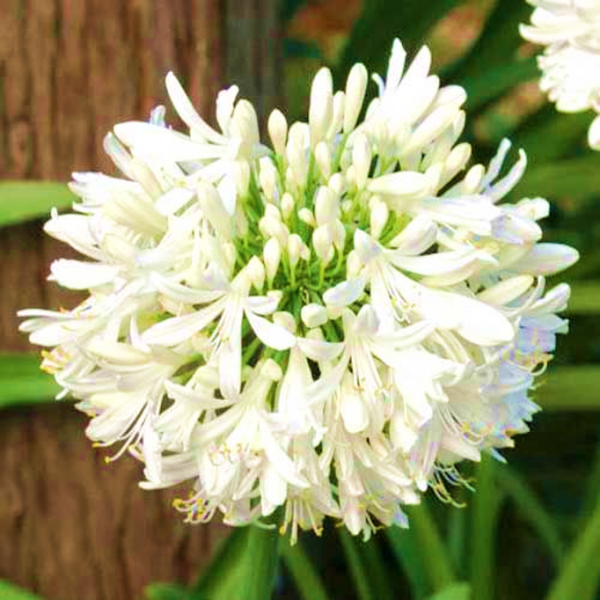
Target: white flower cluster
[(570, 30), (326, 325)]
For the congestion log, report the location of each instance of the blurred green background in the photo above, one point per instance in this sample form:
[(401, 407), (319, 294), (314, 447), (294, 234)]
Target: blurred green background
[(532, 528)]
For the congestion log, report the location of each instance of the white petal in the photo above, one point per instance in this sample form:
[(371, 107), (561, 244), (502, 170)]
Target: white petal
[(345, 293), (78, 275), (158, 142), (506, 291), (401, 184), (175, 330), (546, 259), (320, 351), (594, 134), (353, 410), (196, 398), (417, 237), (479, 323), (270, 334), (279, 459), (187, 112)]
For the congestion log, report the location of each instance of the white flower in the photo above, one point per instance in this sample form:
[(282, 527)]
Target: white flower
[(570, 30), (328, 326)]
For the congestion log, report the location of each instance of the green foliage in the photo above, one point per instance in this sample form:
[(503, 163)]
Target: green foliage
[(25, 200), (455, 591), (383, 20), (305, 577), (8, 591), (22, 382)]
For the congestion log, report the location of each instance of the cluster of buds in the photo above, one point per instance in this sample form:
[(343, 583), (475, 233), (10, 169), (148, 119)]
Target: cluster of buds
[(328, 324)]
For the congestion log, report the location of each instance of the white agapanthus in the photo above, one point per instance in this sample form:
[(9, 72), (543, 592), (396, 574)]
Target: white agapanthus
[(328, 325), (570, 30)]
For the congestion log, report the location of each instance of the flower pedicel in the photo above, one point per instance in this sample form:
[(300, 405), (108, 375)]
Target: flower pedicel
[(327, 324)]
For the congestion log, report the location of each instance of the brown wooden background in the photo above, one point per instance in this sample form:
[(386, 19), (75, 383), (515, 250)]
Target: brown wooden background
[(72, 527)]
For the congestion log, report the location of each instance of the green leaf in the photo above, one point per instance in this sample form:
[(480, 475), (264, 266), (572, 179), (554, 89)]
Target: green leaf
[(434, 556), (26, 200), (258, 564), (497, 43), (457, 537), (406, 550), (485, 511), (585, 298), (221, 577), (570, 388), (22, 382), (8, 591), (378, 578), (167, 591), (483, 88), (456, 591), (531, 509), (579, 576), (576, 179), (381, 21), (307, 580), (592, 488), (549, 135), (357, 566)]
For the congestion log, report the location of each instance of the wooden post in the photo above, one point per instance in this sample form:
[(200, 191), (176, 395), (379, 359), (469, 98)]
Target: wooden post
[(73, 527)]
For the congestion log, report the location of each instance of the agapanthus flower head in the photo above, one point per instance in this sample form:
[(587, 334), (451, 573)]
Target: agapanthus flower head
[(570, 30), (328, 323)]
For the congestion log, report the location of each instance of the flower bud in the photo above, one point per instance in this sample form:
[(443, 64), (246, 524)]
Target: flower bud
[(297, 249), (471, 184), (356, 86), (337, 184), (297, 161), (306, 216), (337, 119), (278, 128), (361, 159), (244, 125), (323, 243), (271, 257), (213, 209), (379, 216), (323, 158), (287, 205), (327, 206), (241, 176), (353, 265), (313, 315), (256, 272), (285, 319), (271, 370), (320, 111), (268, 178)]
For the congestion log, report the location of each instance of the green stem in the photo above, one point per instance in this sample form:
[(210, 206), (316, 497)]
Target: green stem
[(259, 564), (579, 577), (303, 573), (434, 556), (357, 566), (486, 509)]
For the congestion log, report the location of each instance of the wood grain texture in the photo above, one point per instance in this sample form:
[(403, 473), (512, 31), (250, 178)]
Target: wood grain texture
[(73, 527)]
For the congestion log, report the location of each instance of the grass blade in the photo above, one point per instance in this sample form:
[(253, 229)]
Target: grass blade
[(531, 509), (434, 556), (25, 200), (485, 511), (305, 576), (8, 591), (579, 576), (356, 566), (406, 550), (22, 382)]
